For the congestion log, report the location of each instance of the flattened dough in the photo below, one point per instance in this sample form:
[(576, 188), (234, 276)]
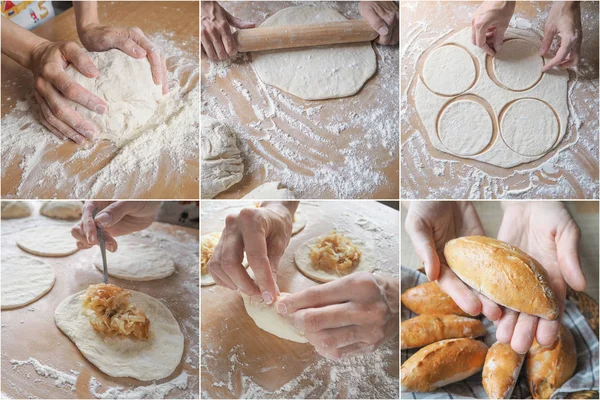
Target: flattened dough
[(315, 73), (15, 209), (156, 358), (303, 262), (518, 65), (136, 261), (449, 70), (517, 125), (24, 280), (48, 241), (67, 210), (270, 190), (267, 318), (462, 136), (299, 222)]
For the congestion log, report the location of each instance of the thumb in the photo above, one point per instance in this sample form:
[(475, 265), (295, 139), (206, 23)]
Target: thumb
[(546, 42), (238, 23), (115, 212), (376, 22)]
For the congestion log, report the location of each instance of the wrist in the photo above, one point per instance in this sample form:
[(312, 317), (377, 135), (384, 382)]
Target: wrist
[(32, 53)]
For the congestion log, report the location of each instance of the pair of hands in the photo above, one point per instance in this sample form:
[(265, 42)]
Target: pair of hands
[(343, 318), (491, 19), (544, 230), (217, 38)]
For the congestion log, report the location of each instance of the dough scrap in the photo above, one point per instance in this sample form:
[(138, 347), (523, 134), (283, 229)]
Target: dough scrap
[(299, 222), (270, 191), (221, 166), (449, 70), (518, 65), (24, 280), (156, 358), (517, 123), (15, 209), (126, 85), (48, 241), (67, 210), (316, 73), (462, 136), (207, 246)]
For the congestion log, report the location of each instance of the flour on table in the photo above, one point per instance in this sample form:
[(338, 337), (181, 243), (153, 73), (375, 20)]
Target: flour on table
[(48, 241), (24, 280), (153, 391), (61, 379)]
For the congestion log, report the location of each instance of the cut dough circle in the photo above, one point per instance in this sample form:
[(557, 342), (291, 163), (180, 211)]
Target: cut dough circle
[(315, 73), (24, 280), (518, 65), (135, 261), (449, 70), (15, 209), (67, 210), (156, 358), (267, 318), (303, 262), (526, 135), (48, 241), (465, 136)]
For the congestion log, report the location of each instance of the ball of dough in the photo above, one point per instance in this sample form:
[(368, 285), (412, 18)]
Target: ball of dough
[(68, 210), (15, 209), (126, 85)]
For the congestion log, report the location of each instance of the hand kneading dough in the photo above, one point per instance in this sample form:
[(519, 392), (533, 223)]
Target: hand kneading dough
[(315, 73), (267, 318), (135, 261), (304, 263), (156, 358), (48, 241), (15, 209), (69, 210), (270, 191), (221, 165), (24, 280), (126, 85)]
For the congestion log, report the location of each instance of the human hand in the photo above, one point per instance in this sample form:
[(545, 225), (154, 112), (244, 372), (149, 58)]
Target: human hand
[(431, 225), (263, 233), (545, 231), (489, 23), (48, 61), (215, 31), (131, 41), (383, 16), (117, 218), (563, 21), (349, 316)]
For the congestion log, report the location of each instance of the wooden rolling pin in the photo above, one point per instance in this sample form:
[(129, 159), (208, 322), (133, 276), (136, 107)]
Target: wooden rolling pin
[(277, 37)]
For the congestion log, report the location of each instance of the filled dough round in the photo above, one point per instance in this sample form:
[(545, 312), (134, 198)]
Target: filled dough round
[(304, 263), (156, 358), (68, 210), (24, 280), (528, 135), (315, 73), (449, 70), (465, 136), (518, 65), (48, 241), (267, 318), (15, 209), (136, 261)]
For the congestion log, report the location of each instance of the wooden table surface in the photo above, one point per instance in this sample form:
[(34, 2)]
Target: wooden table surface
[(181, 21), (585, 214), (30, 331), (430, 173), (296, 116), (239, 360)]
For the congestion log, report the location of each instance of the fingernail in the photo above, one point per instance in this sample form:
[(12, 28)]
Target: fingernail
[(383, 31), (88, 134), (281, 308), (100, 109), (103, 219), (267, 297)]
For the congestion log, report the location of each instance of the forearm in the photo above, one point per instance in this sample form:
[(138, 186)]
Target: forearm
[(18, 43), (86, 13)]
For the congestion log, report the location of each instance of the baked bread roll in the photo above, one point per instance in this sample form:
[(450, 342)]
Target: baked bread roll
[(426, 329), (502, 273), (442, 363), (547, 368), (428, 298), (501, 370)]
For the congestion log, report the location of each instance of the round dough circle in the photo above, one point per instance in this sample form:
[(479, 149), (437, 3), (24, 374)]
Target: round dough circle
[(24, 280), (315, 73), (267, 318), (465, 127), (449, 70), (15, 209), (529, 127), (304, 263), (156, 358), (518, 65), (67, 210), (48, 241), (135, 261)]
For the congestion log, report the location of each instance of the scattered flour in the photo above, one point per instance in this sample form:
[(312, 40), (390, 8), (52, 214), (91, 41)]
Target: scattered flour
[(153, 391), (61, 379)]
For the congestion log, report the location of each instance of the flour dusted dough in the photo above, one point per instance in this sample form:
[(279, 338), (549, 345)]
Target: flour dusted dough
[(48, 241), (315, 73), (303, 262), (518, 121), (267, 318), (551, 88), (24, 280), (126, 85), (67, 210), (518, 64), (449, 78), (221, 165), (116, 357), (136, 261), (270, 191), (15, 209), (465, 136)]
